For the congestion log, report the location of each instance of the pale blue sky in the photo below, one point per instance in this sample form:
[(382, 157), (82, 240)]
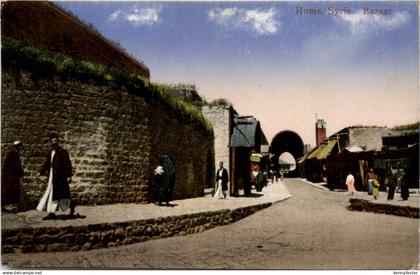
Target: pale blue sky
[(272, 63)]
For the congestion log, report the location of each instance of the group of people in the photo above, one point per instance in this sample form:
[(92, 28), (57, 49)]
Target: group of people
[(258, 178), (396, 179), (373, 184), (58, 169)]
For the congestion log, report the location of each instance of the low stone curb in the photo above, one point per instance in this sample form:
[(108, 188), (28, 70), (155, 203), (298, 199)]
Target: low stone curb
[(315, 185), (397, 210), (94, 236)]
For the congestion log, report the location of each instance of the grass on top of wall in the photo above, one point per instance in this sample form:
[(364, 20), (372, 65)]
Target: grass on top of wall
[(219, 102), (16, 54), (411, 126)]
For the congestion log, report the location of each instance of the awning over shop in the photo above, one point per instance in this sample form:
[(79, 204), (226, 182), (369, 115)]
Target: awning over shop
[(327, 149), (323, 150), (246, 133), (302, 159), (316, 152), (256, 157), (354, 149)]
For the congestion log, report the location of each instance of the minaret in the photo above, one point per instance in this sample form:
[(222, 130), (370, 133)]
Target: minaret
[(320, 131)]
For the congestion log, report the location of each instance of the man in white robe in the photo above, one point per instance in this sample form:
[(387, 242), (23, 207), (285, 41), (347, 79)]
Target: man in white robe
[(57, 194)]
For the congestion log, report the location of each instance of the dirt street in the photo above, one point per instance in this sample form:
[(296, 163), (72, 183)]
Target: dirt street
[(311, 230)]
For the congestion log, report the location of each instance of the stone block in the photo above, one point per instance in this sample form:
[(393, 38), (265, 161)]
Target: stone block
[(107, 235), (127, 241), (39, 248), (56, 247), (86, 246), (67, 238), (119, 233), (94, 237)]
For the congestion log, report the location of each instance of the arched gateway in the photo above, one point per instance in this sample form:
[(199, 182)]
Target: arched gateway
[(287, 141)]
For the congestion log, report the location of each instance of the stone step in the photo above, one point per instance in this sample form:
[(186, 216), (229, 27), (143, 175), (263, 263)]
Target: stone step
[(94, 236)]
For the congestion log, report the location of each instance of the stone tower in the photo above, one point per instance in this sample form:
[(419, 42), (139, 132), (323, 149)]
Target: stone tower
[(320, 131)]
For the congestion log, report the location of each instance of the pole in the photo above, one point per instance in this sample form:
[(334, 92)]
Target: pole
[(338, 141), (233, 172)]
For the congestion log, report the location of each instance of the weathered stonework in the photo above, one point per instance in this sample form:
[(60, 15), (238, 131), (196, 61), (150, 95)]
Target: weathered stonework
[(369, 138), (221, 117), (397, 210), (114, 139), (94, 236)]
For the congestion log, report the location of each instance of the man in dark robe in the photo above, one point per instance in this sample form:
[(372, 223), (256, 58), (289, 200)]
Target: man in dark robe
[(222, 175), (11, 175), (392, 183), (58, 168), (405, 192)]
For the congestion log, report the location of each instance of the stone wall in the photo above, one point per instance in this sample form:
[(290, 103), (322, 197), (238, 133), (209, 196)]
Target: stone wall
[(221, 117), (45, 26), (368, 138), (191, 150), (114, 139), (74, 238)]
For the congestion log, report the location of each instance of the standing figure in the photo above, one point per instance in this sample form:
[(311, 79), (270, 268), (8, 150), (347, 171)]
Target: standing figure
[(376, 188), (165, 180), (58, 168), (259, 181), (392, 183), (255, 170), (221, 182), (370, 178), (350, 183), (403, 184), (11, 175), (159, 189)]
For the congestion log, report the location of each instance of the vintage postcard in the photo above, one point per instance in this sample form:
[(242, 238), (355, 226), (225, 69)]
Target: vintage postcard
[(209, 135)]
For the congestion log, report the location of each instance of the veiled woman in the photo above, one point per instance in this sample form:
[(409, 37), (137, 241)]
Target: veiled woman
[(165, 179)]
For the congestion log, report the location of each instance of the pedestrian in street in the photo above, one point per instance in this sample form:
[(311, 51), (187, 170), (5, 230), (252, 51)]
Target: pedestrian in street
[(370, 178), (274, 176), (165, 179), (350, 183), (11, 177), (392, 183), (58, 169), (376, 187), (221, 182), (259, 181), (404, 185)]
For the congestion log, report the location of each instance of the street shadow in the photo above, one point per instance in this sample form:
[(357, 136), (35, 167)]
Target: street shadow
[(68, 217), (253, 195), (171, 205), (166, 205)]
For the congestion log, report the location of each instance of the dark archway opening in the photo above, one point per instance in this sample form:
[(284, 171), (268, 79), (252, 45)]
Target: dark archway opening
[(286, 141)]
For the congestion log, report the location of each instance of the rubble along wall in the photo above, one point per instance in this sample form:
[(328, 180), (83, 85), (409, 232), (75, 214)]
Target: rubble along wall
[(114, 139)]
